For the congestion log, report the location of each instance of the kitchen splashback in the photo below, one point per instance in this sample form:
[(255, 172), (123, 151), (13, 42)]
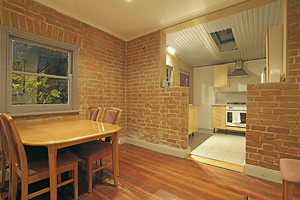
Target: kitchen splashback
[(223, 98)]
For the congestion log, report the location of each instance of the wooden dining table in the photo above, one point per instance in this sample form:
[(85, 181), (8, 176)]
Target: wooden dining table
[(60, 134)]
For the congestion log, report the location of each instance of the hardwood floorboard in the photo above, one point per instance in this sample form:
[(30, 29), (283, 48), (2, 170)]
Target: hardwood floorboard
[(146, 174)]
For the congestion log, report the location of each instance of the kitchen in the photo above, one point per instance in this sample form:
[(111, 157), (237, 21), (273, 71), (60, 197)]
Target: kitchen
[(220, 58)]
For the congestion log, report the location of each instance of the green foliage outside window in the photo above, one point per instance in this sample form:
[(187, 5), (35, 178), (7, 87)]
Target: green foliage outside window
[(31, 89)]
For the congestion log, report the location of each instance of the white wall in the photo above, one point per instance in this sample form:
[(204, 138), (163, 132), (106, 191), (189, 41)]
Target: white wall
[(205, 94), (237, 87)]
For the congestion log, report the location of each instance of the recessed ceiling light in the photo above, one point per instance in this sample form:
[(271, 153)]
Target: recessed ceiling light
[(128, 1), (171, 50)]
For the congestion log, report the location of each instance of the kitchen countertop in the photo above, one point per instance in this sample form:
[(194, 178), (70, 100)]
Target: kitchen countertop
[(192, 105)]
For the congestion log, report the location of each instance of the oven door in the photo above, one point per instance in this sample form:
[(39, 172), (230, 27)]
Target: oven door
[(236, 118), (229, 118)]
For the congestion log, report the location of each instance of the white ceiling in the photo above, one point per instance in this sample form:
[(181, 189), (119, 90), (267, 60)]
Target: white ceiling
[(195, 46), (129, 20)]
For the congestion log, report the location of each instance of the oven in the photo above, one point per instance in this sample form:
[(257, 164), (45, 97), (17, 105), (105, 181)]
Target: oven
[(236, 116)]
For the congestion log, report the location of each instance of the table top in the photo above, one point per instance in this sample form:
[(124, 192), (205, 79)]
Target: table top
[(64, 132)]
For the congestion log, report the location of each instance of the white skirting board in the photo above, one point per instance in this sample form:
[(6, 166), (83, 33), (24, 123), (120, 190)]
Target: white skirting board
[(263, 173), (182, 153)]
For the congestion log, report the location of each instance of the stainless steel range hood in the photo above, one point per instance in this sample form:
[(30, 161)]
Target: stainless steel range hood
[(239, 71)]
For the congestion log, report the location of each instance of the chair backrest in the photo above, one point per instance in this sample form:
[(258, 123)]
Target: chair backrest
[(93, 113), (4, 142), (16, 147), (111, 115)]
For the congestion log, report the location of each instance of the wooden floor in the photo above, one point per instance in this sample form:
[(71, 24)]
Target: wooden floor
[(146, 174)]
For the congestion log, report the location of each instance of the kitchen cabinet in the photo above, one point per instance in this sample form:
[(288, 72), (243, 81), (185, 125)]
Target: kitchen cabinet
[(218, 119), (274, 57), (218, 116), (220, 76), (193, 119)]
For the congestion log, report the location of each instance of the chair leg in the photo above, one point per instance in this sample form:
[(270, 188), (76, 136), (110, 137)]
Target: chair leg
[(118, 164), (9, 181), (90, 175), (287, 191), (14, 184), (24, 188), (75, 182), (283, 190), (101, 163), (59, 178), (3, 168)]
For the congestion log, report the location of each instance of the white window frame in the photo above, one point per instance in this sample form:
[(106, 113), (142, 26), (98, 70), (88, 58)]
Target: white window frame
[(7, 35), (169, 76)]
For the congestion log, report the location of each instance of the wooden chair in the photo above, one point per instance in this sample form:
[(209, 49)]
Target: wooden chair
[(290, 171), (96, 150), (111, 116), (31, 169), (5, 159), (93, 113)]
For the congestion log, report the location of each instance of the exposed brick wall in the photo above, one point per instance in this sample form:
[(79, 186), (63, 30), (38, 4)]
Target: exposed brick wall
[(101, 56), (273, 109), (154, 114), (273, 129)]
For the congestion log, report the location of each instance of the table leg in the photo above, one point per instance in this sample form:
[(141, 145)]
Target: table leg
[(52, 155), (118, 159), (115, 157)]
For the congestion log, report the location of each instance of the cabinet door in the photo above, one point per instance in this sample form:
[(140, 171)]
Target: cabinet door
[(220, 76), (195, 121), (191, 117), (274, 57), (218, 117)]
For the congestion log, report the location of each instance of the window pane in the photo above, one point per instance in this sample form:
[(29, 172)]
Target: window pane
[(36, 59), (38, 90)]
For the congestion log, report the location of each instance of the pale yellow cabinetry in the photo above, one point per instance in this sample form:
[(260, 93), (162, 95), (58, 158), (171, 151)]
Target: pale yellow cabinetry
[(218, 117), (274, 52), (220, 76), (193, 119)]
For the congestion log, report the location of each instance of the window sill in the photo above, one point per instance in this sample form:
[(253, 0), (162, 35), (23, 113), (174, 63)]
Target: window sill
[(42, 113)]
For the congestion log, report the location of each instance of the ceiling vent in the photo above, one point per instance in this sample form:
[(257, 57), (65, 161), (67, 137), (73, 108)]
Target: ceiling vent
[(224, 40), (239, 71)]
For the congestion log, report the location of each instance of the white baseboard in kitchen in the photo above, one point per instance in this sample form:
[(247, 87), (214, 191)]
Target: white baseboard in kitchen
[(264, 173), (182, 153)]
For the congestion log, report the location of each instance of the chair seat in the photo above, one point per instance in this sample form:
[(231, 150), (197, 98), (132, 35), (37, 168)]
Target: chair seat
[(93, 148), (39, 164), (290, 170)]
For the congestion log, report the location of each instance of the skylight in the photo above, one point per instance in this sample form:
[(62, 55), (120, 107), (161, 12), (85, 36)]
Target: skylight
[(224, 40)]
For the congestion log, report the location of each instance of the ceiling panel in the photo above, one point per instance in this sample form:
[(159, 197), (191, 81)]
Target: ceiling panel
[(196, 47), (129, 19)]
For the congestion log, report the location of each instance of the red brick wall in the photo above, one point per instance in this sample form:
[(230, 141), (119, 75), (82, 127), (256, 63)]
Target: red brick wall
[(101, 56), (154, 114), (273, 110)]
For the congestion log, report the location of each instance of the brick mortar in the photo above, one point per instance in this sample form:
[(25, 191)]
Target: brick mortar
[(273, 109)]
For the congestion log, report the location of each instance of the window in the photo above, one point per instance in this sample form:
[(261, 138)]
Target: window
[(169, 77), (185, 81), (224, 40), (38, 74)]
